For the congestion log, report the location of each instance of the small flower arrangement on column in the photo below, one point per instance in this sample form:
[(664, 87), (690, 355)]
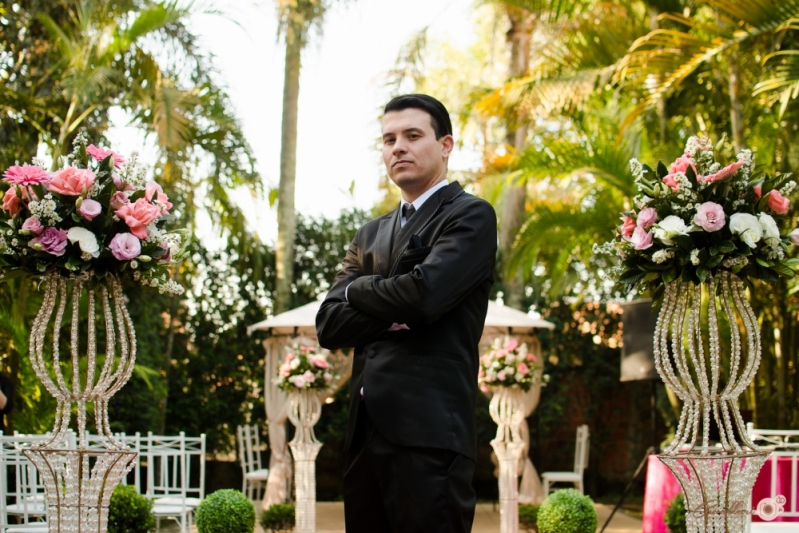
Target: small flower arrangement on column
[(304, 368), (508, 364)]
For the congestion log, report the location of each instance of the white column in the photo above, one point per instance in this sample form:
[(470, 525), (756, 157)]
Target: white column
[(506, 410), (304, 411)]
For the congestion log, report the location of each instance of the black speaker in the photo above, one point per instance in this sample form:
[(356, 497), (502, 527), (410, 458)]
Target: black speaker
[(637, 358)]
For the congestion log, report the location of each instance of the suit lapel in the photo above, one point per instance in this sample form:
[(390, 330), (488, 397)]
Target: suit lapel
[(422, 217), (383, 242)]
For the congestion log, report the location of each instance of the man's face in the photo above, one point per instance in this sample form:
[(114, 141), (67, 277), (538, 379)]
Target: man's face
[(414, 158)]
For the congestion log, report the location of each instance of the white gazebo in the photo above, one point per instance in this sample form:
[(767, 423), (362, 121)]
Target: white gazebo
[(301, 322)]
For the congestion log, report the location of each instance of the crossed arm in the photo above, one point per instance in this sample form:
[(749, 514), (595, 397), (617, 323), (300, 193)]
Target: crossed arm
[(462, 257)]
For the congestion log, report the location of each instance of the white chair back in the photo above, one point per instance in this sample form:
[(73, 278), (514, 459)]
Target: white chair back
[(170, 461), (581, 449), (22, 494), (780, 438)]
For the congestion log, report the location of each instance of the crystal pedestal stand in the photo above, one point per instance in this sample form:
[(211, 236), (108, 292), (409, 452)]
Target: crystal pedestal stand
[(717, 481), (506, 410), (79, 482), (304, 411)]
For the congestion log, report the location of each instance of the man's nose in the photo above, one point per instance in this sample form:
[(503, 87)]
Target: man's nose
[(399, 147)]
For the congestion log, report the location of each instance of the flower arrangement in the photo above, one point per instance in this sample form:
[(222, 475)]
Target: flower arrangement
[(507, 364), (98, 214), (698, 217), (303, 368)]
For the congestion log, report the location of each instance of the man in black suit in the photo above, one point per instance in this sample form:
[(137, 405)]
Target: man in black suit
[(412, 299)]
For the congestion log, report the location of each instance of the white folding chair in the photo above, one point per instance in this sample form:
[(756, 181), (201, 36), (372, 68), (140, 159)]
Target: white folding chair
[(253, 474), (580, 464), (169, 485), (22, 501)]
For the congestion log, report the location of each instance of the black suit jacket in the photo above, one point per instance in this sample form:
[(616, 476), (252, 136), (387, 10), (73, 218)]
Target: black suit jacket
[(433, 274)]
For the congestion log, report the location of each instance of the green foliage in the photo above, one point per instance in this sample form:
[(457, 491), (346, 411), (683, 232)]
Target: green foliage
[(675, 515), (567, 511), (129, 511), (528, 516), (226, 511), (279, 518)]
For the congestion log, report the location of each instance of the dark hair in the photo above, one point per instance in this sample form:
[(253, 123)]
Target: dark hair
[(439, 116)]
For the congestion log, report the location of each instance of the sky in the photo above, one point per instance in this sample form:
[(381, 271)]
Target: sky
[(341, 93)]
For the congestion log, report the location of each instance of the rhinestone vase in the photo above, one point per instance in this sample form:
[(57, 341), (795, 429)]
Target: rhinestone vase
[(305, 408), (79, 481), (708, 367), (506, 410)]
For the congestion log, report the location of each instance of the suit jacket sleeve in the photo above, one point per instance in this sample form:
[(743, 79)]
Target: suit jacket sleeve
[(339, 324), (462, 257)]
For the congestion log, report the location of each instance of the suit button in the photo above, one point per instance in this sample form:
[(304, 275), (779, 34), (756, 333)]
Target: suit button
[(371, 353)]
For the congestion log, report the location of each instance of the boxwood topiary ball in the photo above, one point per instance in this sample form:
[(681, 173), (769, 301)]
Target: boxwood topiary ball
[(567, 511), (226, 511)]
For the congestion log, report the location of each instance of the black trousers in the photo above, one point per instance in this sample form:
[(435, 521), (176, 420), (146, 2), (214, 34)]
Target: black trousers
[(399, 489)]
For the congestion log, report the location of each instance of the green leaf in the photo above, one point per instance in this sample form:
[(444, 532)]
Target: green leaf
[(273, 196), (702, 273), (791, 263), (662, 170), (669, 275), (763, 262), (713, 262), (783, 270), (685, 242), (714, 250)]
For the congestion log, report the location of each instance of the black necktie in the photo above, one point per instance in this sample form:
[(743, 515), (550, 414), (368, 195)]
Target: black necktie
[(407, 211)]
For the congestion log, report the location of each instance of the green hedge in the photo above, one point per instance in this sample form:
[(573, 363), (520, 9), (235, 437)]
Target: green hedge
[(226, 511), (675, 515), (567, 511), (279, 518), (129, 511), (528, 516)]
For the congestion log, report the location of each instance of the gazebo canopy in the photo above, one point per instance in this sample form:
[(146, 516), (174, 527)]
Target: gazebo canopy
[(302, 321)]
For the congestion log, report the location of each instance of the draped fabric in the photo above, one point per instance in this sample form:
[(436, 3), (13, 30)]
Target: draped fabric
[(278, 484), (277, 407)]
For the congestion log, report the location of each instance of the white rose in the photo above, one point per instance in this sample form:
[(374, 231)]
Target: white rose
[(85, 239), (769, 227), (295, 363), (794, 236), (670, 227), (747, 227)]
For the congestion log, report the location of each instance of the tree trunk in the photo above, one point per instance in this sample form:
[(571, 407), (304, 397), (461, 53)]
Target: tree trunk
[(663, 117), (286, 215), (736, 116), (513, 206)]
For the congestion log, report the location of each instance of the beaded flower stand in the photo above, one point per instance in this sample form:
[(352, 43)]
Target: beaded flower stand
[(716, 480), (305, 408), (79, 482)]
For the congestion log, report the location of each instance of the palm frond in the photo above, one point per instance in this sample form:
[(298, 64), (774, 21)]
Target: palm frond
[(786, 78)]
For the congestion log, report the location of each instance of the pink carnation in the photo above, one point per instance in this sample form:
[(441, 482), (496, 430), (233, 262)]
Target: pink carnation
[(724, 172), (137, 215), (125, 246), (680, 165), (33, 225), (627, 227), (100, 154), (647, 217), (72, 181), (641, 239), (26, 175), (710, 216), (52, 240), (89, 209)]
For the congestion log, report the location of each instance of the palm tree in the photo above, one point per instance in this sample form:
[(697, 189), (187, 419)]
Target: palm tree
[(297, 18)]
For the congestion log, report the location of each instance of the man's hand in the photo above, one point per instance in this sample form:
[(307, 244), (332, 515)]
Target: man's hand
[(398, 327)]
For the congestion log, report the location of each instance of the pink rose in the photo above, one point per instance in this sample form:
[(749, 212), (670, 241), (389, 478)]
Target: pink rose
[(118, 199), (100, 154), (794, 236), (522, 369), (125, 246), (641, 239), (290, 356), (71, 181), (484, 388), (758, 191), (777, 202), (121, 184), (33, 225), (724, 172), (298, 381), (680, 165), (710, 216), (26, 175), (137, 215), (161, 200), (647, 217), (501, 375), (11, 202), (285, 370), (531, 358), (89, 209), (628, 226), (319, 362), (308, 376), (52, 240), (511, 345)]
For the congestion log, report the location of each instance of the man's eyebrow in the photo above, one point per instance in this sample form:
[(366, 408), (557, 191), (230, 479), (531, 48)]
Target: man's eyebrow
[(407, 130)]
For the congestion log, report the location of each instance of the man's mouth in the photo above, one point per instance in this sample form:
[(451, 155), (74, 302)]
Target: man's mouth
[(401, 163)]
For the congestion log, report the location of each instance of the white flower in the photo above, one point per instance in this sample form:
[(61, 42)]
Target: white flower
[(747, 227), (794, 236), (661, 256), (85, 239), (695, 257), (771, 232), (670, 227), (295, 363)]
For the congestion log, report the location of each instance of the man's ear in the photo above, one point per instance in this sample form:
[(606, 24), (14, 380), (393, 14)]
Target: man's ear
[(448, 143)]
